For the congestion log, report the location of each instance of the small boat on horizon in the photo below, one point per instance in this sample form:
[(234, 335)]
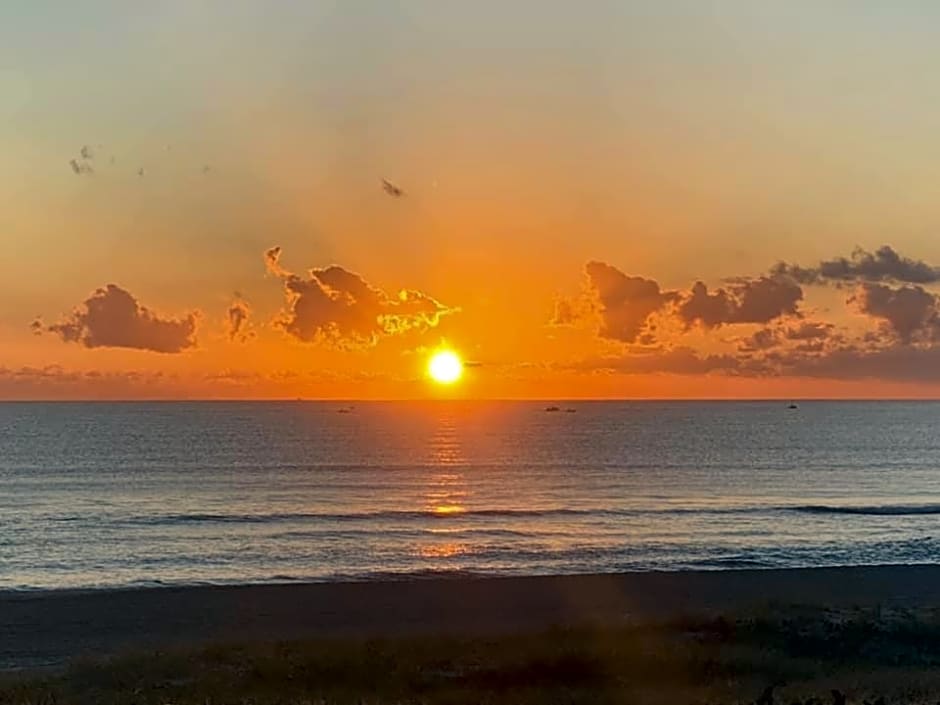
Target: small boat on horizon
[(552, 408), (793, 406)]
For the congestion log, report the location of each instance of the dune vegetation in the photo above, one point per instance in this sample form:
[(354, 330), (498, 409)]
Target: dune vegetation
[(782, 656)]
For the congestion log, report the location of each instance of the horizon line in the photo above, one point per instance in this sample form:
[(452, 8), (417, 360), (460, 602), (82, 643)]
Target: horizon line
[(386, 400)]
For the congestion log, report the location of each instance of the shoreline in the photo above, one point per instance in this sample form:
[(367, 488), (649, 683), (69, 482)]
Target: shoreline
[(50, 628)]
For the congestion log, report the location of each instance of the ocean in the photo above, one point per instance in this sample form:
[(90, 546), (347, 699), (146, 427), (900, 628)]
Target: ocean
[(104, 495)]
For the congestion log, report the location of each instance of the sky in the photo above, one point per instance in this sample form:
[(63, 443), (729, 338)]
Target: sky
[(681, 199)]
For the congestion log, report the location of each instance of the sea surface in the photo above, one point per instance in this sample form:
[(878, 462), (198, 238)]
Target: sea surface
[(96, 495)]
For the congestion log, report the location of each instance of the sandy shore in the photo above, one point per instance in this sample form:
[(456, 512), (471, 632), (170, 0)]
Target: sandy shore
[(52, 627)]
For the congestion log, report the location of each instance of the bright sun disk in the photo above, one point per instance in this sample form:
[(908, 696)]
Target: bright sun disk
[(445, 367)]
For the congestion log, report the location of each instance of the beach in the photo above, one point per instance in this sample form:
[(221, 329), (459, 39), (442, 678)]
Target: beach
[(51, 628), (478, 552)]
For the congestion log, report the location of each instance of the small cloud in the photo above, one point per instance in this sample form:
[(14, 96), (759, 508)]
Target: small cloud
[(238, 324), (339, 307), (80, 167), (764, 339), (112, 317), (809, 330), (392, 189)]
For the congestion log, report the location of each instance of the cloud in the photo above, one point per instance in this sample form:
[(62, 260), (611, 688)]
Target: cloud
[(339, 307), (899, 363), (681, 361), (884, 264), (910, 311), (54, 381), (392, 189), (809, 330), (80, 167), (233, 376), (624, 303), (764, 339), (237, 322), (112, 317), (565, 313), (746, 301), (272, 262)]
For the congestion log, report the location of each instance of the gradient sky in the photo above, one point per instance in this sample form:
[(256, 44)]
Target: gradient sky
[(676, 141)]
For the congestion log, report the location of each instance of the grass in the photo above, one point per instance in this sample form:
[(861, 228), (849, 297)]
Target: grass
[(804, 654)]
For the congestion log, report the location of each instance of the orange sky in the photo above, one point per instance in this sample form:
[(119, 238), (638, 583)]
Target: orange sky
[(569, 174)]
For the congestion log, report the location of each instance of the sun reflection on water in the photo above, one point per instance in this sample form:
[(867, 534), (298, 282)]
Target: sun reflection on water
[(446, 494), (442, 550)]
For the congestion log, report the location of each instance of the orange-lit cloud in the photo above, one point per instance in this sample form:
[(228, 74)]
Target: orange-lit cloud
[(112, 317), (775, 339), (622, 332), (338, 307), (238, 320), (623, 303)]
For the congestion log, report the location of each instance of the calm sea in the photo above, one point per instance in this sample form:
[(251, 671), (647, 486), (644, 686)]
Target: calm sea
[(122, 494)]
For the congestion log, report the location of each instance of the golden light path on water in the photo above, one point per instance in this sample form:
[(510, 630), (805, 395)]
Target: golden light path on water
[(447, 491)]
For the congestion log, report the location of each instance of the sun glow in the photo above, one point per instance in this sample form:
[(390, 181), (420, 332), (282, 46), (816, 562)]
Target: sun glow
[(445, 367)]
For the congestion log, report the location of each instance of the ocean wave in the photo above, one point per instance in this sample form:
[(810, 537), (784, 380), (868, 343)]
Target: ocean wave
[(868, 510), (730, 562), (387, 515), (458, 514)]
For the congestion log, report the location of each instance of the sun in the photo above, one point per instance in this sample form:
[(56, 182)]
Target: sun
[(445, 367)]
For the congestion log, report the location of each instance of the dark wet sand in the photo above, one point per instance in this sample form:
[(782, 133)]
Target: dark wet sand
[(49, 628)]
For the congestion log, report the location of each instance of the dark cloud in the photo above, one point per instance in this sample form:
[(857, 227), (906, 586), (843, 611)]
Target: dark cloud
[(238, 320), (910, 311), (746, 301), (80, 167), (899, 363), (680, 361), (624, 303), (337, 306), (810, 346), (392, 189), (804, 335), (764, 339), (896, 363), (884, 264), (112, 317), (809, 330), (272, 261)]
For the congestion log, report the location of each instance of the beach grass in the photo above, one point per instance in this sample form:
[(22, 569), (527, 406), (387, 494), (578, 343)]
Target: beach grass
[(804, 654)]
